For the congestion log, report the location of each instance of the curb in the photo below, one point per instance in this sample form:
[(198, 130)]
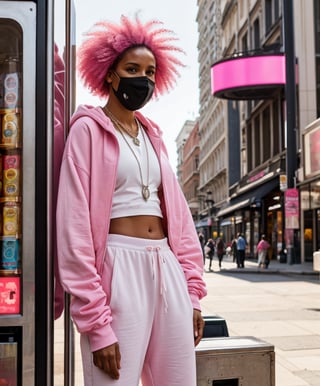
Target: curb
[(267, 271)]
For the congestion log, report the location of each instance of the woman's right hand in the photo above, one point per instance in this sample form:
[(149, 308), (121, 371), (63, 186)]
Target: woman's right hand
[(108, 360)]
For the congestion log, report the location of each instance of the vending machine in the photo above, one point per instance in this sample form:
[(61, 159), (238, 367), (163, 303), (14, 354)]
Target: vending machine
[(26, 192)]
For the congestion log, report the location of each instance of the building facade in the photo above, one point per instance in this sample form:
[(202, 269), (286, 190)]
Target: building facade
[(213, 185), (190, 171), (181, 139), (243, 121)]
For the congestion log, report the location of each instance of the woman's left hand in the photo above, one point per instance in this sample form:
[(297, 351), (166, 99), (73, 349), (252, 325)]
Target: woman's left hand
[(198, 325)]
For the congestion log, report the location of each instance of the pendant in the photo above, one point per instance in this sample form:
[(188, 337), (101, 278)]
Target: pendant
[(145, 192), (136, 141)]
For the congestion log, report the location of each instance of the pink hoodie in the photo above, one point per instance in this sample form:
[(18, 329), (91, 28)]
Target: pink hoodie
[(87, 181)]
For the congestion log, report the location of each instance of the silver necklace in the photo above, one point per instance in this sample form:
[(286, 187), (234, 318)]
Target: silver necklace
[(144, 187), (115, 121)]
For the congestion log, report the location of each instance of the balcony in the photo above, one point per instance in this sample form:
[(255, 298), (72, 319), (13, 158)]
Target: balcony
[(249, 75)]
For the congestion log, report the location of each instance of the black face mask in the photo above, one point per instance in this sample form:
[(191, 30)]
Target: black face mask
[(134, 93)]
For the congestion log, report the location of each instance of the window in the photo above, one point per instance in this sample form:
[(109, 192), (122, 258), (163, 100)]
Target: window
[(196, 163), (256, 34), (249, 148), (256, 145), (268, 14), (244, 43), (276, 126), (266, 134), (272, 14), (276, 10)]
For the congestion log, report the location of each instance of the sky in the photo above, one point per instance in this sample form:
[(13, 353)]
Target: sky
[(170, 111)]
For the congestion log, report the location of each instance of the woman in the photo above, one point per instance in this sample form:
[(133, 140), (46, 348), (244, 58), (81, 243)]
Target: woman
[(210, 248), (262, 249), (128, 251), (220, 250)]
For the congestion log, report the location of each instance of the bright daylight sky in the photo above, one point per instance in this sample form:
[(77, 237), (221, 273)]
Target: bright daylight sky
[(172, 110)]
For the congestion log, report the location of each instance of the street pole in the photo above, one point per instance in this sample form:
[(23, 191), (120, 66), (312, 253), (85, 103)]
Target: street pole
[(290, 94)]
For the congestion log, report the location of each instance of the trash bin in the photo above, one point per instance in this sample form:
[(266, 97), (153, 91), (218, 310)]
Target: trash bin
[(235, 361), (214, 326)]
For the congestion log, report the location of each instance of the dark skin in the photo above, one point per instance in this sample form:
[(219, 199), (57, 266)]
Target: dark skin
[(137, 61)]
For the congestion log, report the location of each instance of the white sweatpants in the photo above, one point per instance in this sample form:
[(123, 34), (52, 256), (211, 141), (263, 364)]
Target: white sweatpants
[(152, 316)]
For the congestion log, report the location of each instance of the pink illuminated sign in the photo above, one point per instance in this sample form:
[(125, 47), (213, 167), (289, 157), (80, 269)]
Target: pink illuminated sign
[(9, 295), (291, 206), (249, 71)]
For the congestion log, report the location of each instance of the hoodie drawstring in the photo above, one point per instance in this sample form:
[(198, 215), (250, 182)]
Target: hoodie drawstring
[(159, 260)]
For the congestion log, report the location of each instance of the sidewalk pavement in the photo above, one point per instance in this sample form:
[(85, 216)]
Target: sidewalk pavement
[(251, 266), (267, 304)]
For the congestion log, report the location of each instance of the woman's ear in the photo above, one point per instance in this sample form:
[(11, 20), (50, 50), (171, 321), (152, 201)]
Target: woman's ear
[(109, 77)]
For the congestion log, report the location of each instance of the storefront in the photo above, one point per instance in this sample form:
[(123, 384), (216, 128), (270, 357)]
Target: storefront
[(257, 211), (310, 192)]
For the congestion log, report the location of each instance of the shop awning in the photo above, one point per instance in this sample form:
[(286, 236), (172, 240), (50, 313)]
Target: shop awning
[(226, 222), (252, 197), (231, 208), (202, 223)]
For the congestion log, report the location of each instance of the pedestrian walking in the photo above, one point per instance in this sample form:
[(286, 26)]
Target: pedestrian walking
[(234, 249), (202, 243), (262, 249), (128, 250), (210, 245), (220, 250), (241, 250)]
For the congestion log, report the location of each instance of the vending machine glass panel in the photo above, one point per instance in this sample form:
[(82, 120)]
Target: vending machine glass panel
[(10, 165)]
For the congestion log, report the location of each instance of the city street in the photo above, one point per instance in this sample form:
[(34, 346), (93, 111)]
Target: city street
[(280, 305)]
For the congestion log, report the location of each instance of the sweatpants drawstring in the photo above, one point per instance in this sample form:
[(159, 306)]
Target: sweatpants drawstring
[(159, 260)]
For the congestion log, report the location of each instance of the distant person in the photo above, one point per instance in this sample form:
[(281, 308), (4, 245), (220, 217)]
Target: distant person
[(234, 250), (220, 250), (241, 250), (210, 246), (202, 243), (262, 249)]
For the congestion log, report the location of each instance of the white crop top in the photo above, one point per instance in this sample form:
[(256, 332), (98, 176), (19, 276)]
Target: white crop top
[(127, 197)]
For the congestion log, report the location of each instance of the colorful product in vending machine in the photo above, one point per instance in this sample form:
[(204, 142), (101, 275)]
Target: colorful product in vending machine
[(10, 128), (1, 174), (11, 83), (11, 219), (10, 254), (11, 174)]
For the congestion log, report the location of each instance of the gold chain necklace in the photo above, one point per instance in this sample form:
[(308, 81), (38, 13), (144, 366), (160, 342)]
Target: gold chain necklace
[(145, 191), (135, 139)]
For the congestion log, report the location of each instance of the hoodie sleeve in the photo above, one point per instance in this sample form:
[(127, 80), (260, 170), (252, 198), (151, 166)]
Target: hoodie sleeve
[(76, 254), (190, 256)]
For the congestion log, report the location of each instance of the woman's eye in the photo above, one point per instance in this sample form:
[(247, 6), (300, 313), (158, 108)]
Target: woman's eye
[(151, 72), (132, 70)]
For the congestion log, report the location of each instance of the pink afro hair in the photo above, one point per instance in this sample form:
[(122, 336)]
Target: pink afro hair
[(108, 40)]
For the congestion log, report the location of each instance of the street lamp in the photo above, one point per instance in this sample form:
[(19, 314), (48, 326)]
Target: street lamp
[(209, 201), (291, 115)]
